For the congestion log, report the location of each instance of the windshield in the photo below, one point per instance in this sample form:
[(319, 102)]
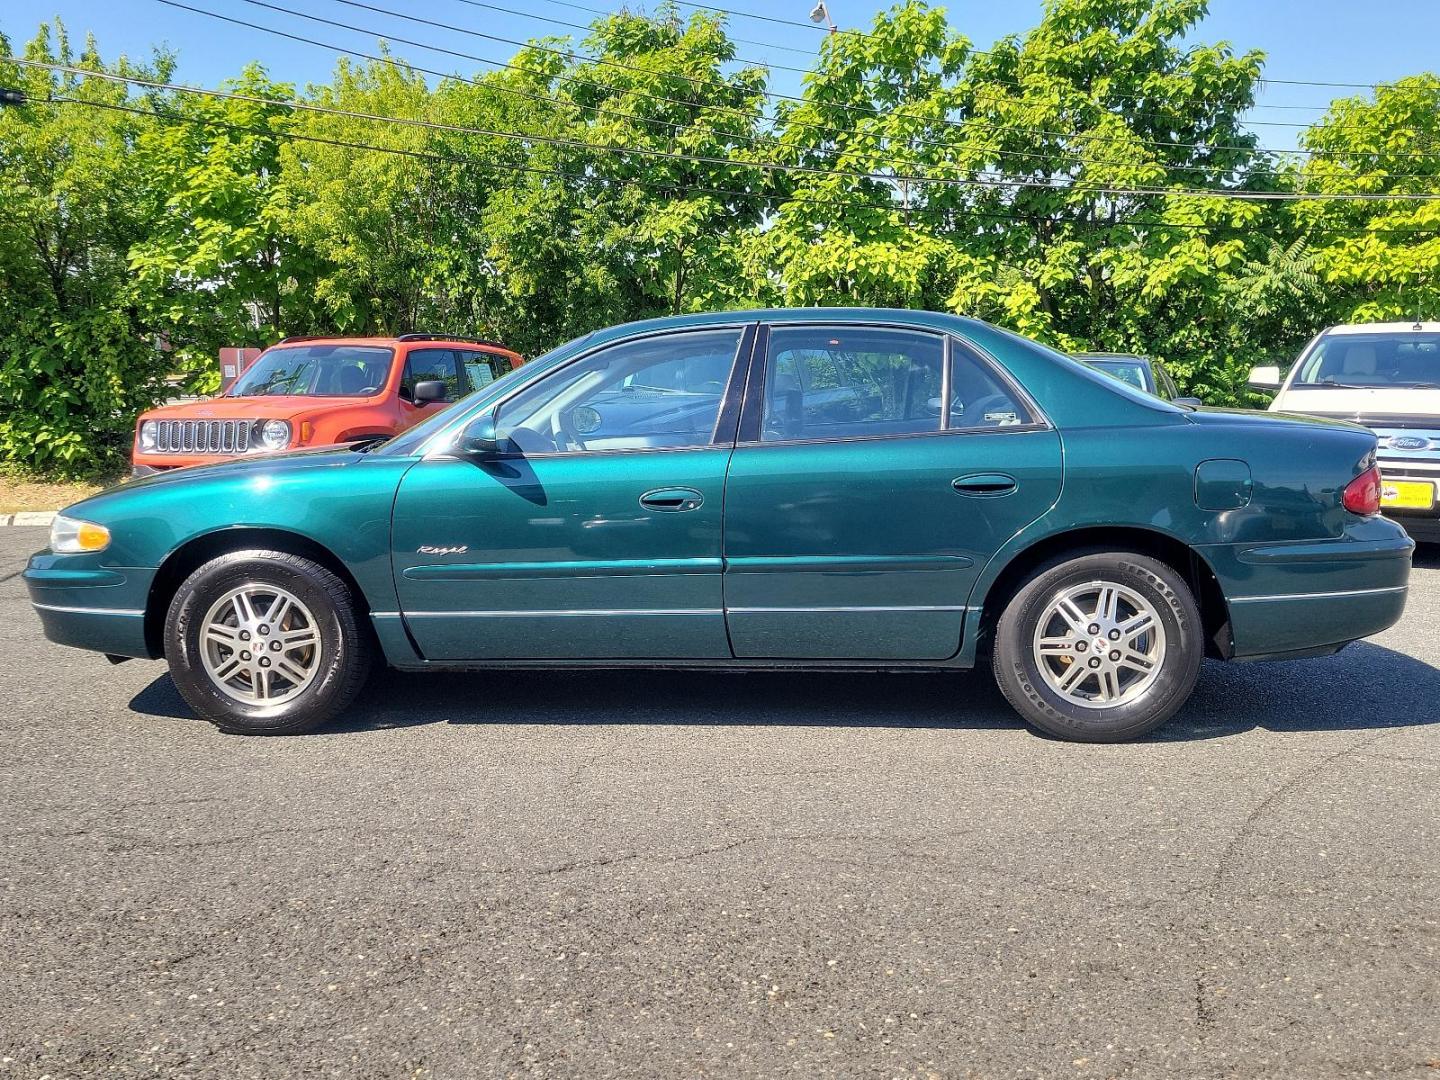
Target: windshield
[(1134, 372), (316, 371), (1400, 359)]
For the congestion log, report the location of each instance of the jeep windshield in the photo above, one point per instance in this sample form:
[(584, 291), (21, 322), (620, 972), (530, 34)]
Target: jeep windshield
[(1397, 360), (316, 371)]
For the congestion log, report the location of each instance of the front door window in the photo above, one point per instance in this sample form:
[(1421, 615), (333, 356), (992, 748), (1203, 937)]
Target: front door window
[(426, 365), (660, 393)]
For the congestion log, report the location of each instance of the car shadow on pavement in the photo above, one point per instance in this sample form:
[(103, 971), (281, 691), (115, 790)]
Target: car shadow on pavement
[(1366, 687)]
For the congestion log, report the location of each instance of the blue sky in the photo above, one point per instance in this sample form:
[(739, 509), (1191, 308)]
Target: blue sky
[(1327, 40)]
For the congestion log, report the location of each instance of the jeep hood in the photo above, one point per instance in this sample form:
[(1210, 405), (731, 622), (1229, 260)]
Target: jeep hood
[(290, 407)]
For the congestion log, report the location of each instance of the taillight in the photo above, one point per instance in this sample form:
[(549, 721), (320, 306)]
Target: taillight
[(1362, 495)]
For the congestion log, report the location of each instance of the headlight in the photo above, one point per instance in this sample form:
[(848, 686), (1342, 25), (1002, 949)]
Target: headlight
[(148, 430), (275, 435), (69, 536)]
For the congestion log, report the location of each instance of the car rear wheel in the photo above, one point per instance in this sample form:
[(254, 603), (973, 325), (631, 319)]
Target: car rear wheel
[(1099, 648), (265, 643)]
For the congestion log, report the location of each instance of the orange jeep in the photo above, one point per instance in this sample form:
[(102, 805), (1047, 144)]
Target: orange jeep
[(318, 391)]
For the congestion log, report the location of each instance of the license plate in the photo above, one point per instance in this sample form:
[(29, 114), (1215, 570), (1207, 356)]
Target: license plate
[(1407, 494)]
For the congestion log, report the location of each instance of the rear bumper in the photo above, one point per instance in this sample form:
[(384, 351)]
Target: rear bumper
[(1302, 597), (87, 606)]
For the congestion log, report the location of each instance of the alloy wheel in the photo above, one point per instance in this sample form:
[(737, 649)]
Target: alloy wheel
[(260, 645), (1099, 645)]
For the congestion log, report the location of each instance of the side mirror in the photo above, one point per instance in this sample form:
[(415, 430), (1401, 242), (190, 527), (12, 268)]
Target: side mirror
[(430, 390), (1188, 402), (1266, 377), (479, 439)]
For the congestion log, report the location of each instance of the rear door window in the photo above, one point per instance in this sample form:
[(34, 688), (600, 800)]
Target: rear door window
[(483, 368), (847, 382)]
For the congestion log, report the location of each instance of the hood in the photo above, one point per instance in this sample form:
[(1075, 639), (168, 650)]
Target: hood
[(251, 408), (278, 464), (1369, 405)]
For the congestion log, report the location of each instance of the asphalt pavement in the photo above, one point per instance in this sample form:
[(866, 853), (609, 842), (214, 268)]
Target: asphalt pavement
[(678, 875)]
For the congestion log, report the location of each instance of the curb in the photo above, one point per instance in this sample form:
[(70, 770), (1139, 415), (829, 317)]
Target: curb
[(33, 517)]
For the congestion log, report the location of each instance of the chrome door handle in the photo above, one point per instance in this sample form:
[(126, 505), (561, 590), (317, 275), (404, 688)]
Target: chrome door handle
[(672, 500), (984, 485)]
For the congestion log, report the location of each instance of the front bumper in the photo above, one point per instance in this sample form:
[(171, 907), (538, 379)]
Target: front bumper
[(1298, 597), (87, 605)]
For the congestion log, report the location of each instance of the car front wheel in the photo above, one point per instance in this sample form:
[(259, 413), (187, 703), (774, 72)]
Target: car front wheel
[(1099, 648), (265, 643)]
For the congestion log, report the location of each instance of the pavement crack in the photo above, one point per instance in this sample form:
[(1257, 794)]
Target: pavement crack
[(1205, 1017), (682, 857)]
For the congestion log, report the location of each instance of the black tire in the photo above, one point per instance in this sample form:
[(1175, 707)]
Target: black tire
[(344, 645), (1018, 674)]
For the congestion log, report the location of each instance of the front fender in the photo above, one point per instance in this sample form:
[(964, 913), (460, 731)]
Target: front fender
[(340, 501)]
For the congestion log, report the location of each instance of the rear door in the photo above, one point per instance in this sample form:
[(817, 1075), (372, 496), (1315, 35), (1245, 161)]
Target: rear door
[(877, 471)]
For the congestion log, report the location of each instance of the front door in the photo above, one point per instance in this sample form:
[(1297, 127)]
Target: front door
[(597, 535), (878, 469), (425, 365)]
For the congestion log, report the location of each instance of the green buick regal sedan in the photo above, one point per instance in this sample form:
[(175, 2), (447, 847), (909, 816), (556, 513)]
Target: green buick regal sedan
[(807, 489)]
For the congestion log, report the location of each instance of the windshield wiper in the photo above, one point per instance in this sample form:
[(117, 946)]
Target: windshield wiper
[(1337, 386)]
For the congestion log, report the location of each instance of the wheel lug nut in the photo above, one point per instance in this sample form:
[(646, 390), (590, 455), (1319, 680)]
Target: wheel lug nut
[(1094, 661), (274, 646), (1094, 628), (245, 655), (1115, 655), (264, 630), (264, 661), (244, 635), (1081, 646), (1114, 635)]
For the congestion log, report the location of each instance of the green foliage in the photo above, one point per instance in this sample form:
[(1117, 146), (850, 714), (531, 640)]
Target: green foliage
[(77, 358), (141, 232)]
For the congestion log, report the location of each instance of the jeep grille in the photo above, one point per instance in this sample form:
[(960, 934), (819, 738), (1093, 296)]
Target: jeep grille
[(202, 436)]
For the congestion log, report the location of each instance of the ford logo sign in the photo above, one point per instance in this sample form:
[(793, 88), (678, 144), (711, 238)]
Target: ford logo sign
[(1408, 442)]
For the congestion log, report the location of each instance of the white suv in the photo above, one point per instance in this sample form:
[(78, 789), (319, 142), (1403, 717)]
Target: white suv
[(1387, 377)]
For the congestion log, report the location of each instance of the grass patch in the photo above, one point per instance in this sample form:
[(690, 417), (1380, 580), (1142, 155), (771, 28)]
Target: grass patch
[(19, 492)]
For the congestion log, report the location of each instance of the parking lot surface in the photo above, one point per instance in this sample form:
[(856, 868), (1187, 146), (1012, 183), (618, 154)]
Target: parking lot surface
[(671, 875)]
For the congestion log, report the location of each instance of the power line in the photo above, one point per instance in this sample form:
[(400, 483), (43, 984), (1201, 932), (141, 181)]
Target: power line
[(985, 52), (760, 117), (605, 12), (833, 204), (585, 26), (768, 166), (601, 12), (771, 94)]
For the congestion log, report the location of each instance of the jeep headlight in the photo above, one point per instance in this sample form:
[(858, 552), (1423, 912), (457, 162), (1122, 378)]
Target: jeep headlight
[(70, 536), (275, 435), (148, 430)]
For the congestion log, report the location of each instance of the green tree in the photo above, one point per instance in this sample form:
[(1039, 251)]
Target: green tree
[(218, 266), (1378, 260), (79, 355)]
